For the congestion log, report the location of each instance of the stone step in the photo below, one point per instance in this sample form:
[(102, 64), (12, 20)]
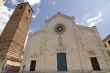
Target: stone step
[(69, 72), (106, 71)]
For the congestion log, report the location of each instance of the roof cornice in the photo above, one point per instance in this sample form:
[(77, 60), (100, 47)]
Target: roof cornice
[(59, 13)]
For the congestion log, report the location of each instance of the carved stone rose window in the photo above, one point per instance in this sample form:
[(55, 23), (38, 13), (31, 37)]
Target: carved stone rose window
[(60, 28)]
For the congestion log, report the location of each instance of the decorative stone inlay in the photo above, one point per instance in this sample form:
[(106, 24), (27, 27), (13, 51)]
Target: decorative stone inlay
[(60, 45), (91, 52)]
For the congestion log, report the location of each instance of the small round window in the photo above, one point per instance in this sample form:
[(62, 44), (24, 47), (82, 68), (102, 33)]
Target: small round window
[(60, 28)]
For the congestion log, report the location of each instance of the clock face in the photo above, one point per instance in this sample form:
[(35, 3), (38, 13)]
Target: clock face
[(59, 28)]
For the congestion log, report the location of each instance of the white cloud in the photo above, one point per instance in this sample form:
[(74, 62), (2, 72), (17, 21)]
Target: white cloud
[(5, 14), (33, 2), (94, 23), (53, 3), (36, 11), (34, 15), (94, 20), (14, 2)]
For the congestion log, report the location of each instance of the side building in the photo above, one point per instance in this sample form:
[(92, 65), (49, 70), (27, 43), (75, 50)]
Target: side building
[(13, 37), (107, 43), (62, 46)]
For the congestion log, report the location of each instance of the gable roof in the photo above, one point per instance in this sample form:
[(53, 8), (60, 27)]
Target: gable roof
[(61, 14)]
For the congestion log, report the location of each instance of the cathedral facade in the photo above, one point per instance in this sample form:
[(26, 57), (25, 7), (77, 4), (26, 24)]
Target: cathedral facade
[(64, 46)]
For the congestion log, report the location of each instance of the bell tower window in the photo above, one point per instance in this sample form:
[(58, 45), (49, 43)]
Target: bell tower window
[(21, 7)]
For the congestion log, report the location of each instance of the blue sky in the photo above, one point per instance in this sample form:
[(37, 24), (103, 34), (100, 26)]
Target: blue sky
[(86, 12)]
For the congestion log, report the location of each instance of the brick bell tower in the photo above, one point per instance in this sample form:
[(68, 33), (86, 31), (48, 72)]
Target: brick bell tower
[(14, 34)]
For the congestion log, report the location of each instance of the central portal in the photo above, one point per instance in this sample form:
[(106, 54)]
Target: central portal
[(61, 62)]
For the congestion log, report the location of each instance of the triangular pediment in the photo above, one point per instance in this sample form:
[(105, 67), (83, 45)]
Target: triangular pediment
[(60, 14)]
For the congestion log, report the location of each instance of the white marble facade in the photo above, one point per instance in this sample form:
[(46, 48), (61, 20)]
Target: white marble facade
[(78, 42)]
